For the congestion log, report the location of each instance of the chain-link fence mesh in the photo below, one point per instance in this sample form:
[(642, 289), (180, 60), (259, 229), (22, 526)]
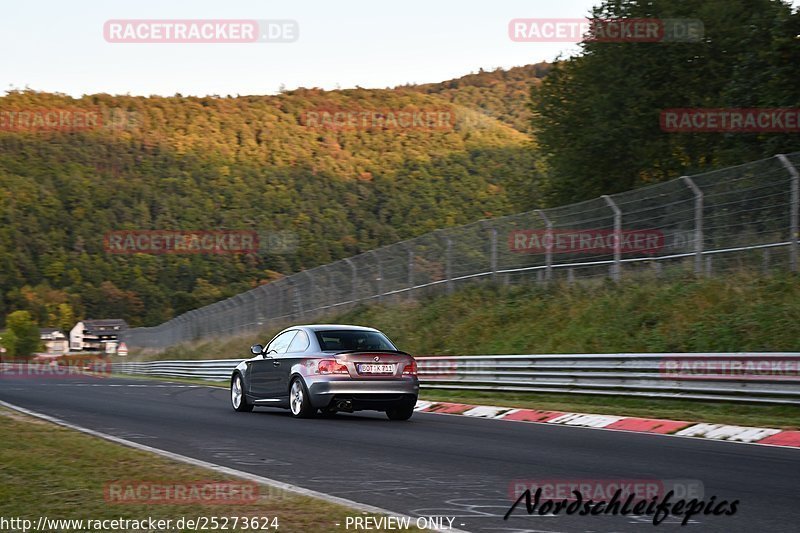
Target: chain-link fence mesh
[(741, 217)]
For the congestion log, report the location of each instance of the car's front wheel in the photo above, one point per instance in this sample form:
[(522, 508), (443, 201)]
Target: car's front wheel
[(299, 401), (400, 412), (238, 398)]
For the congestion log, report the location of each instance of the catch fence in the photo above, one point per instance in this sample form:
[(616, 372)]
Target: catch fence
[(738, 217)]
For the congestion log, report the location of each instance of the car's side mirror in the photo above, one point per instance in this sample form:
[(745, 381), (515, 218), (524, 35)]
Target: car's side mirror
[(256, 349)]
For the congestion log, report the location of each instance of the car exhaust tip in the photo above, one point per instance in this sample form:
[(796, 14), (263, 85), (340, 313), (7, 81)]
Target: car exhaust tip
[(344, 405)]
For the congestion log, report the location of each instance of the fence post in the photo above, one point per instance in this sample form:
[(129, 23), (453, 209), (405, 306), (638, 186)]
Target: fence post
[(288, 301), (794, 215), (492, 247), (332, 296), (247, 315), (548, 254), (264, 307), (297, 302), (449, 264), (353, 279), (410, 266), (698, 224), (616, 267), (275, 310), (310, 302), (379, 279)]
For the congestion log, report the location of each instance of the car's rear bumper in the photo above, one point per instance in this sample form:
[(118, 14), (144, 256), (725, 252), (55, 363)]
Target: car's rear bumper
[(364, 394)]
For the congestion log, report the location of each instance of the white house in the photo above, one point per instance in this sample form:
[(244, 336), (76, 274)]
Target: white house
[(97, 335), (55, 341)]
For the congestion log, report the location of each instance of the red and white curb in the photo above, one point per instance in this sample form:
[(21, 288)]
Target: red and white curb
[(751, 435)]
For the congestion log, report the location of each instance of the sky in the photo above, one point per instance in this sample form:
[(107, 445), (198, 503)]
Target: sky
[(59, 46)]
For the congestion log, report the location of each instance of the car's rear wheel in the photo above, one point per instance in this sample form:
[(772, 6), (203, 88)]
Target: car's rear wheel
[(400, 412), (238, 398), (299, 401)]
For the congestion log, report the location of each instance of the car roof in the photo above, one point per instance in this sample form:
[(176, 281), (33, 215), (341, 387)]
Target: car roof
[(331, 327)]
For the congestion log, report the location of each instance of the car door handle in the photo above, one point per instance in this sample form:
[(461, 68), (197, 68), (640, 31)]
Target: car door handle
[(276, 363)]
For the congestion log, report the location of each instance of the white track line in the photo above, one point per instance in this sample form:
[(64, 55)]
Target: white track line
[(219, 468)]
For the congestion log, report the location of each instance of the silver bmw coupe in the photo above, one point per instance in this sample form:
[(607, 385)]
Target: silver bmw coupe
[(327, 368)]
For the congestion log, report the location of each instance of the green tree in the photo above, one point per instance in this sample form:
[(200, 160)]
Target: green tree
[(25, 333), (597, 114), (66, 317), (9, 341)]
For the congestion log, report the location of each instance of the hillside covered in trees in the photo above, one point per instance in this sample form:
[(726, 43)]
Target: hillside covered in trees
[(280, 164), (502, 94)]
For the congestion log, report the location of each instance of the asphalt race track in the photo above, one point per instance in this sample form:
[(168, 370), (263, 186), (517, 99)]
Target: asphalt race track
[(431, 465)]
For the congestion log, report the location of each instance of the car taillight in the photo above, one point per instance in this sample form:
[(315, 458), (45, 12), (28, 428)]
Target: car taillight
[(331, 366), (411, 369)]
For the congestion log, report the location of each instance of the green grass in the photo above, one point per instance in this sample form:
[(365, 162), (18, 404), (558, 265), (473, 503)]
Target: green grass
[(741, 312), (47, 470)]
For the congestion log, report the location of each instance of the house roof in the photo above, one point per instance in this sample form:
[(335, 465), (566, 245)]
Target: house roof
[(104, 323)]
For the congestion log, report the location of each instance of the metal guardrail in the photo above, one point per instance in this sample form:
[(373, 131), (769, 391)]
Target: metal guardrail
[(740, 377)]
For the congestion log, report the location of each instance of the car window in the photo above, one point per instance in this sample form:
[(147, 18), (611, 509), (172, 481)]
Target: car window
[(353, 340), (281, 342), (299, 343)]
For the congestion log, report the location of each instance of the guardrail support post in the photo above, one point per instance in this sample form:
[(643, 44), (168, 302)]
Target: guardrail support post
[(616, 266), (794, 211), (698, 224), (548, 254)]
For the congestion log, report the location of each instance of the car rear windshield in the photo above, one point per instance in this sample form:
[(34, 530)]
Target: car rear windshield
[(353, 340)]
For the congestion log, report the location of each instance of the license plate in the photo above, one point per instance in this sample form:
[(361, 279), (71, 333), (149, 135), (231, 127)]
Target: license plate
[(375, 369)]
